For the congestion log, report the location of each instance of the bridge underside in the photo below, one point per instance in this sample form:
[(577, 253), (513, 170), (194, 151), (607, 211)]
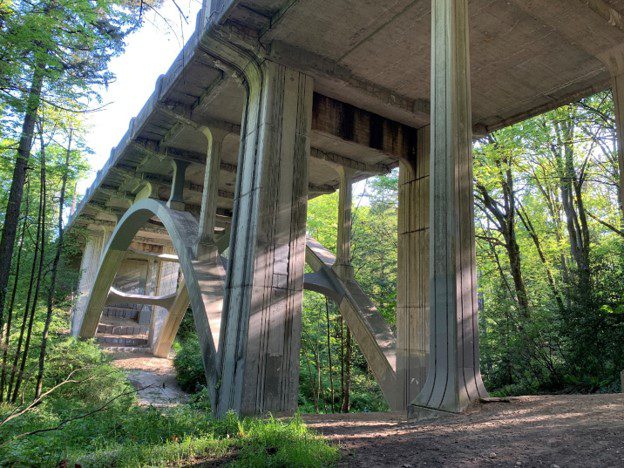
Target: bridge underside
[(274, 102)]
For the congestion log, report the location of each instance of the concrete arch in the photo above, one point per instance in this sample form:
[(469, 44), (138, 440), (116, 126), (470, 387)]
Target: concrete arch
[(182, 228)]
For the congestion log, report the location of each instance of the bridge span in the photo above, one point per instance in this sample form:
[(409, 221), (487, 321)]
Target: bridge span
[(274, 102)]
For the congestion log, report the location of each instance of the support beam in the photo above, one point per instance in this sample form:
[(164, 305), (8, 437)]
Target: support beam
[(453, 377), (186, 116), (618, 103), (176, 198), (151, 286), (349, 163), (210, 192), (261, 333), (343, 266)]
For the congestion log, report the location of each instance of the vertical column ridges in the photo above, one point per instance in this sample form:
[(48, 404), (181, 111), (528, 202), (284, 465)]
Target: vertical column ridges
[(260, 336), (453, 377), (413, 270)]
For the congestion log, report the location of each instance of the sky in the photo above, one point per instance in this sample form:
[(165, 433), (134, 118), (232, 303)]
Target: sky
[(149, 53)]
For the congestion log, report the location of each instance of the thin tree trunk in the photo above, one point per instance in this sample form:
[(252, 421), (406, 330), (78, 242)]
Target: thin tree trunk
[(33, 309), (55, 263), (9, 229), (329, 355), (346, 403), (342, 363), (528, 225), (11, 304)]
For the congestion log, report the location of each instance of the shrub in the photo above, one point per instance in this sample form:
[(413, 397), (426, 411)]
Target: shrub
[(189, 366)]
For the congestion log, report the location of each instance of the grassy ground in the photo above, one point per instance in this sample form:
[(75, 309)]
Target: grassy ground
[(94, 421)]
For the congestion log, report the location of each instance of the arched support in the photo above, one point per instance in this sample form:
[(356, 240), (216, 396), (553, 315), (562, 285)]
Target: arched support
[(119, 297), (182, 229), (369, 329), (169, 330)]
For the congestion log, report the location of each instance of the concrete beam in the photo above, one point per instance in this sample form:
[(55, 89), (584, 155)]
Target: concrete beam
[(186, 116), (349, 123), (381, 100), (348, 163), (154, 149)]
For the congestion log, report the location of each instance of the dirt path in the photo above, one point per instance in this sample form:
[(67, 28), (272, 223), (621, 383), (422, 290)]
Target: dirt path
[(154, 378), (550, 431)]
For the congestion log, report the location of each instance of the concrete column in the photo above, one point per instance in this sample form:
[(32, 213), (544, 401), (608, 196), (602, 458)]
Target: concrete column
[(618, 102), (343, 266), (261, 332), (209, 267), (151, 286), (614, 60), (176, 198), (211, 185), (91, 255), (167, 283), (413, 271), (453, 378)]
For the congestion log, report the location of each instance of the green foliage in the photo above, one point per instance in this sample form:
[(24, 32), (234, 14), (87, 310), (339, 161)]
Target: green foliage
[(116, 432), (281, 443), (189, 365)]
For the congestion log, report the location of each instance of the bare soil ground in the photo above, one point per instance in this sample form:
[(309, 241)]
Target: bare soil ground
[(154, 378), (535, 431)]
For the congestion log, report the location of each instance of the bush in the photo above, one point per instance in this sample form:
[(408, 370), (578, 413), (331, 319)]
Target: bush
[(189, 365), (95, 422)]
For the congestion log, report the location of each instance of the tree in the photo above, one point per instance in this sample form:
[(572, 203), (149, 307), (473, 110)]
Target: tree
[(52, 51)]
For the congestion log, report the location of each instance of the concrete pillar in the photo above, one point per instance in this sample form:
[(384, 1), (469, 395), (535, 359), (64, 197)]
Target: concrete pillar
[(614, 61), (176, 198), (91, 255), (211, 185), (343, 266), (453, 378), (209, 267), (167, 283), (261, 333), (413, 271), (151, 286), (618, 102)]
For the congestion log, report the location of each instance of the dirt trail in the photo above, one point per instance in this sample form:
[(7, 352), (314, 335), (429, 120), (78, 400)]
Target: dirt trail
[(154, 378), (537, 431)]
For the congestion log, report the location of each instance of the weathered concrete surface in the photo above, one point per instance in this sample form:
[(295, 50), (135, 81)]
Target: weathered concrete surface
[(454, 376), (373, 335), (413, 271), (261, 330)]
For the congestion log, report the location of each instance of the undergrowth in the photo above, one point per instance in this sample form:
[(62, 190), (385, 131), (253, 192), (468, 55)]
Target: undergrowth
[(95, 422)]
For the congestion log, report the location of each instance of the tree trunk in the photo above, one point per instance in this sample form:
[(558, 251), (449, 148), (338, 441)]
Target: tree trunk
[(33, 309), (54, 270), (11, 304), (329, 356), (346, 404), (9, 230)]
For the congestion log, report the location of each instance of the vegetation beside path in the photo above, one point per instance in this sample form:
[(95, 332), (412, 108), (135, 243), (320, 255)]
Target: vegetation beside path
[(90, 417)]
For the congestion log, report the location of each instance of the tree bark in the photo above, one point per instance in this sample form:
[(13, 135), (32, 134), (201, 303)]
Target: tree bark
[(54, 270), (9, 229), (346, 403), (33, 308), (11, 304), (329, 356)]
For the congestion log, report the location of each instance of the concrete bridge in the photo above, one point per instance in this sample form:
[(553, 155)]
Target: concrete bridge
[(274, 102)]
